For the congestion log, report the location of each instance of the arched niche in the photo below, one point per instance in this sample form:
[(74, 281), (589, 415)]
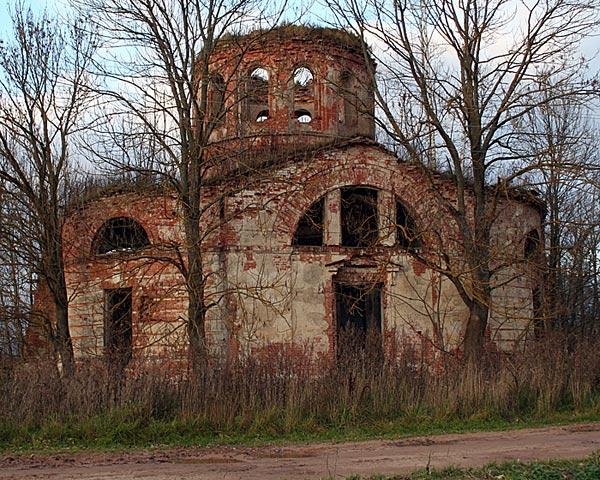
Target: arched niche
[(257, 95)]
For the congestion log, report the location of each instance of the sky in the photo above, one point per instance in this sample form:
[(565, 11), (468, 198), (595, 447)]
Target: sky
[(36, 5), (590, 47)]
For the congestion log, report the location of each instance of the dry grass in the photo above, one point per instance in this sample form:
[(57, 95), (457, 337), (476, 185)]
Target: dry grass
[(287, 388)]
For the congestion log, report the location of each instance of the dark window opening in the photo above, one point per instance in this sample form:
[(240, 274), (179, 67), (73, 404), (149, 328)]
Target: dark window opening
[(309, 231), (532, 245), (358, 312), (257, 95), (303, 116), (359, 217), (406, 232), (120, 234), (118, 337), (217, 99)]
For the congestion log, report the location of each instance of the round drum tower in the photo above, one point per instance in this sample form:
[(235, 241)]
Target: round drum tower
[(287, 90)]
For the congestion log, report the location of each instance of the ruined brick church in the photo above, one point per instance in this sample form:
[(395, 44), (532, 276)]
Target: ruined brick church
[(321, 227)]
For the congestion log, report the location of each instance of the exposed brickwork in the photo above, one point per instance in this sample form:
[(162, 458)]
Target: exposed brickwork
[(281, 293), (338, 98), (265, 289)]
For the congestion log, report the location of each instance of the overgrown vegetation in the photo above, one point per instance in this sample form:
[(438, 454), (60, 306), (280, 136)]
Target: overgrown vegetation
[(288, 392)]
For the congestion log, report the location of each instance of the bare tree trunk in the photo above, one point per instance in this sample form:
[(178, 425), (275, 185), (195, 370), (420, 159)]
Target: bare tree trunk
[(198, 353), (55, 272), (63, 339), (475, 332)]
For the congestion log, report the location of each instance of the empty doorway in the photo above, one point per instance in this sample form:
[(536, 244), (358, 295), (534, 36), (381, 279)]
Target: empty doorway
[(118, 335), (358, 314)]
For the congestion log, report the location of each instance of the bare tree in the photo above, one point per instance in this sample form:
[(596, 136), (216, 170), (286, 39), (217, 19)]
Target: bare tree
[(44, 90), (455, 78), (18, 255), (15, 281), (561, 136), (159, 82)]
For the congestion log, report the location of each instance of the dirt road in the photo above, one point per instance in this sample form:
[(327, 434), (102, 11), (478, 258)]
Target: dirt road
[(311, 461)]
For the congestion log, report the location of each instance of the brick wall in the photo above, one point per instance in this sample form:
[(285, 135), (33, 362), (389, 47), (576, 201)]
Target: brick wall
[(267, 290), (263, 288)]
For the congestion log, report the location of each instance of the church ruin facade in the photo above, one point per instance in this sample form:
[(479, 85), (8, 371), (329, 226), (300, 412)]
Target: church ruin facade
[(311, 226)]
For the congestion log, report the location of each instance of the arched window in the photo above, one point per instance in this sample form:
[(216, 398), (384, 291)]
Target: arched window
[(303, 78), (407, 235), (303, 95), (359, 217), (309, 231), (260, 76), (257, 95), (262, 116), (532, 245), (303, 116), (120, 234)]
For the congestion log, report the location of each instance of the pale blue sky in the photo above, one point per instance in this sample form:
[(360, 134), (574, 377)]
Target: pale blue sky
[(590, 47), (36, 5)]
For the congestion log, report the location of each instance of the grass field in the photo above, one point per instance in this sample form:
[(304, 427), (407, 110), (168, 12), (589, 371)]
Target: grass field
[(122, 431)]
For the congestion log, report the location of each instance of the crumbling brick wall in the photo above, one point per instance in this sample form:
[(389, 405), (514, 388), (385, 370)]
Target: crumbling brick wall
[(267, 171), (338, 98), (268, 290)]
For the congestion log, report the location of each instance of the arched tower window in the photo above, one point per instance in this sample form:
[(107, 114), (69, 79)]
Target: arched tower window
[(532, 245), (303, 78), (304, 95), (257, 95), (309, 231), (407, 236), (120, 234), (359, 217), (303, 116)]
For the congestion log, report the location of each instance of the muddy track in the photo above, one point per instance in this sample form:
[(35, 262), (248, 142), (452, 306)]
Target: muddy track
[(311, 461)]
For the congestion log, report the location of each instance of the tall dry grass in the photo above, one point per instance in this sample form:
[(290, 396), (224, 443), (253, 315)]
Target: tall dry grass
[(287, 388)]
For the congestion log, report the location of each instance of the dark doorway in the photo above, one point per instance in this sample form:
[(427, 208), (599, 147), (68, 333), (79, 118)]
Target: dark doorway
[(117, 328), (358, 312)]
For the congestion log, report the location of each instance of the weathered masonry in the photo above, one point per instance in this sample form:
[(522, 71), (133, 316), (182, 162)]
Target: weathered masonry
[(315, 227)]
